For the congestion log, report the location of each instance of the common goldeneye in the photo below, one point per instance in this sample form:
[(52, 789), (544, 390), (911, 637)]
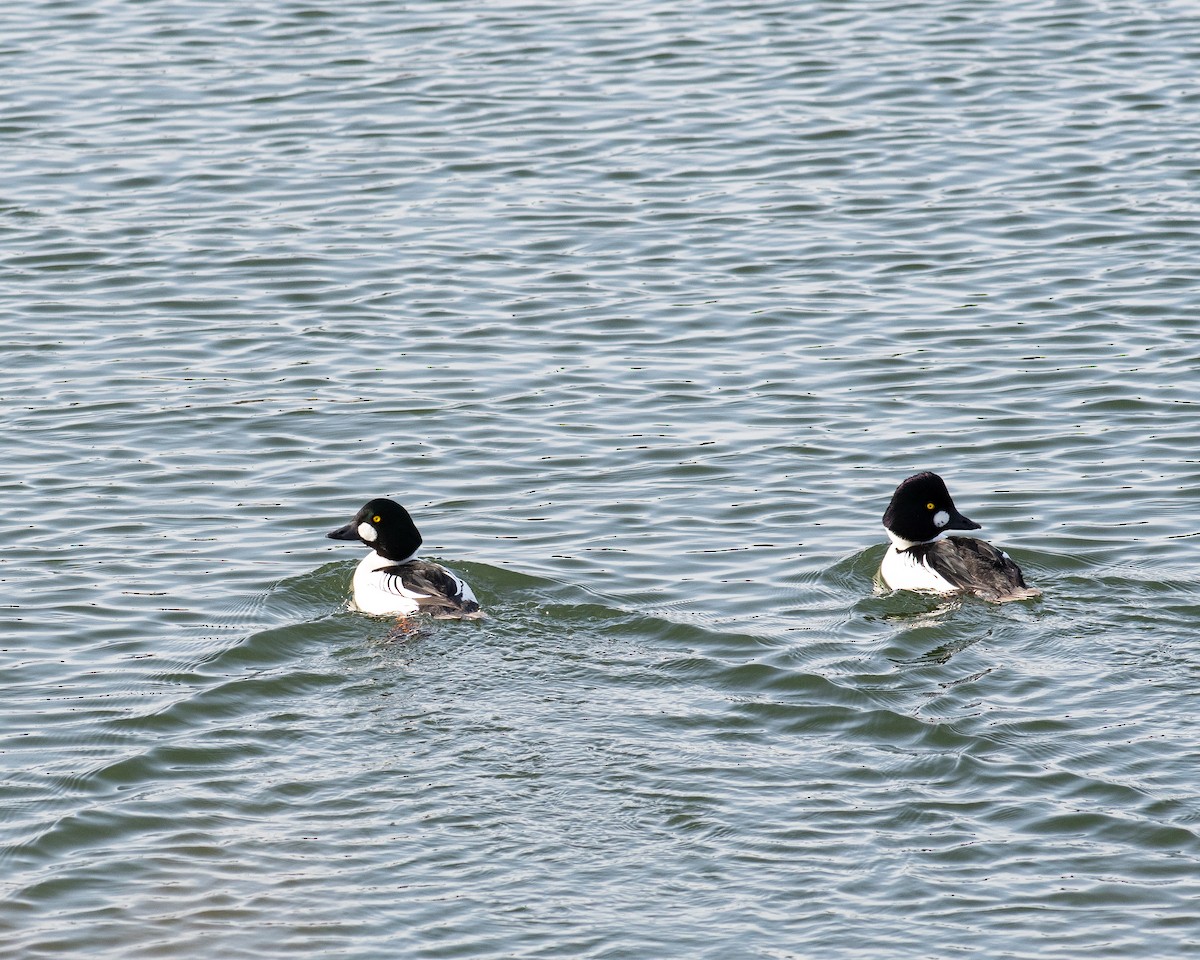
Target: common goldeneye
[(392, 579), (920, 559)]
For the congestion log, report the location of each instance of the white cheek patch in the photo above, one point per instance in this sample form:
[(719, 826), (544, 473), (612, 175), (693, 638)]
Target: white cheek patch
[(940, 519), (367, 532)]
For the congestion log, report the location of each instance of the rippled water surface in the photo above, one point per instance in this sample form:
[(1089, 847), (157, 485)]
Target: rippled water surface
[(642, 309)]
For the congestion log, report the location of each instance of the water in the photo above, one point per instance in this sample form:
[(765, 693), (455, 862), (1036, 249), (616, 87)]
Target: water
[(642, 309)]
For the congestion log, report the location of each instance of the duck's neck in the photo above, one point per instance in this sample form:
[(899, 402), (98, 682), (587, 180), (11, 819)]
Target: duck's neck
[(901, 544)]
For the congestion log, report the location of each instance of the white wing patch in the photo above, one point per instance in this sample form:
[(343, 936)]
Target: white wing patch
[(393, 584), (462, 591)]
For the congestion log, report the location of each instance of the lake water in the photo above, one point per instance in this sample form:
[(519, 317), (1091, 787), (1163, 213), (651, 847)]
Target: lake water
[(643, 309)]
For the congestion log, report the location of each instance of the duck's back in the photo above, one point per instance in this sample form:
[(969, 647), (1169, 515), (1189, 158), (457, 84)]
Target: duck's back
[(975, 566)]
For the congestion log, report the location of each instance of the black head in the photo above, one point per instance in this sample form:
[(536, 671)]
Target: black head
[(385, 527), (921, 510)]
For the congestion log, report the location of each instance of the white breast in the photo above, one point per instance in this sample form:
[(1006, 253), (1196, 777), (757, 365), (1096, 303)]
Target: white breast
[(378, 593), (900, 570)]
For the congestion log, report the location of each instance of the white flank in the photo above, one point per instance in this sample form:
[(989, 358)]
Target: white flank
[(900, 570), (378, 593)]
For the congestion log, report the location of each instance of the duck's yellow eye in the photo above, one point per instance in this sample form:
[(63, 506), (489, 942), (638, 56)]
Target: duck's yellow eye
[(375, 519), (928, 506)]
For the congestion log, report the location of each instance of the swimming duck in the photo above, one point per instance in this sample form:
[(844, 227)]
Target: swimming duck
[(392, 580), (921, 558)]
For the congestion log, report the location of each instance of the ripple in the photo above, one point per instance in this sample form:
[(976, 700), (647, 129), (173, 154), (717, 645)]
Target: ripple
[(643, 311)]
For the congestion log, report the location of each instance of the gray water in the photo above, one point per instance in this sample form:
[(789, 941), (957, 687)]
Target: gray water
[(643, 309)]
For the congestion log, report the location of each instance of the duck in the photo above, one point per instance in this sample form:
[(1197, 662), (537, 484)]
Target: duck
[(920, 557), (392, 580)]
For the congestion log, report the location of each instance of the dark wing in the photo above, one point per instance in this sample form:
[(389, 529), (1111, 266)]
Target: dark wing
[(442, 594), (977, 567)]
